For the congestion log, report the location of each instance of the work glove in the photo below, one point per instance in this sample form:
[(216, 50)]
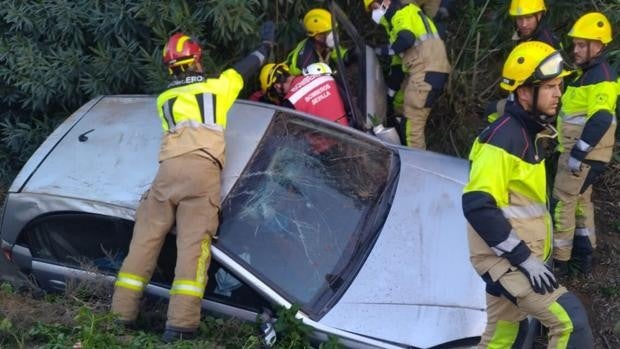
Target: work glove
[(385, 50), (268, 33), (577, 154), (540, 276)]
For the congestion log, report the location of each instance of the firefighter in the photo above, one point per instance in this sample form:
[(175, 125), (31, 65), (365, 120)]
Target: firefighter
[(315, 92), (505, 203), (530, 24), (419, 62), (587, 125), (318, 46), (186, 189)]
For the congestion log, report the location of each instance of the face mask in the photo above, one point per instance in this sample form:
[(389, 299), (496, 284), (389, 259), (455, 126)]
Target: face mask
[(329, 40), (377, 14)]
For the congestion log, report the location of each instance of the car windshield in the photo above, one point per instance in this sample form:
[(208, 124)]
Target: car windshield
[(307, 208)]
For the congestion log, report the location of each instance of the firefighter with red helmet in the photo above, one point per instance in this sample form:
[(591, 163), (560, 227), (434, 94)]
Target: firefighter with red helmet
[(186, 190)]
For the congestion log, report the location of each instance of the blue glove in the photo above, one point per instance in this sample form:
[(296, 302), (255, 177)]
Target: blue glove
[(268, 33)]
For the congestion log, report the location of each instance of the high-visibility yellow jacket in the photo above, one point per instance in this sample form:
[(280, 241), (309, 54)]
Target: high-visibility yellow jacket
[(305, 54), (505, 201), (587, 120), (193, 114)]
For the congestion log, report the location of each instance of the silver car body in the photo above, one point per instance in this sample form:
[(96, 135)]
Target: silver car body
[(416, 288)]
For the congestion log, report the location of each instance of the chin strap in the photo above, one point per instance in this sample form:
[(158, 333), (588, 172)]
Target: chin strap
[(543, 118)]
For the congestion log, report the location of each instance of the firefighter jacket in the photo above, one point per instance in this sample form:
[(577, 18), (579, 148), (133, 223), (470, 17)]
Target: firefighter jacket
[(193, 115), (317, 95), (414, 39), (587, 120), (305, 53), (505, 200)]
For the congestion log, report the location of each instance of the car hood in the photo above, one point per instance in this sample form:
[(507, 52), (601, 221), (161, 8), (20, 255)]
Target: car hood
[(417, 286)]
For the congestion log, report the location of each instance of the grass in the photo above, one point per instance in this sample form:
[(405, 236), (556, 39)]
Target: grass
[(79, 319)]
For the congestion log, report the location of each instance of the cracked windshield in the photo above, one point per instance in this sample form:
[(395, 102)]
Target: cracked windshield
[(305, 206)]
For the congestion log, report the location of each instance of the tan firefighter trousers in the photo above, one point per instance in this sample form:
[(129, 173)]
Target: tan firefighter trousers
[(427, 57), (186, 191), (560, 311), (574, 212)]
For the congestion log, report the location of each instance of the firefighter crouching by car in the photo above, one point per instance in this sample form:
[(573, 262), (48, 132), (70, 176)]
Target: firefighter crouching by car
[(587, 124), (315, 92), (186, 189), (414, 39), (505, 203)]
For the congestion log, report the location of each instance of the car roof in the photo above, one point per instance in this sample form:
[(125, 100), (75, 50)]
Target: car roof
[(109, 149)]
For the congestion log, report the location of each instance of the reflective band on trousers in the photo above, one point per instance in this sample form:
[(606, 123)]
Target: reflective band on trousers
[(567, 324), (187, 288), (130, 281), (559, 243), (531, 211), (582, 232)]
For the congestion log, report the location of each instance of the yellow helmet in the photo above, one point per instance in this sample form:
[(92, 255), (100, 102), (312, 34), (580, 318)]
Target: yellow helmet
[(367, 4), (531, 62), (272, 73), (526, 7), (592, 26), (317, 21)]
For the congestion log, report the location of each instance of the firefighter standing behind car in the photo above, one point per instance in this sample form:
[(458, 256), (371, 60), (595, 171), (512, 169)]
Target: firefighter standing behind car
[(530, 22), (314, 93), (414, 44), (318, 47), (587, 124), (505, 203), (186, 190)]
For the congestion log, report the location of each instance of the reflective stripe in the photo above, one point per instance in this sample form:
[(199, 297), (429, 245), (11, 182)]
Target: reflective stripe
[(507, 245), (582, 232), (567, 324), (425, 37), (577, 119), (531, 211), (187, 288), (201, 268), (167, 111), (560, 243), (130, 281), (205, 101), (583, 146), (195, 124), (302, 92), (505, 335)]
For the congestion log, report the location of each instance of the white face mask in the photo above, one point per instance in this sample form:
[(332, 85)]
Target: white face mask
[(329, 40), (377, 14)]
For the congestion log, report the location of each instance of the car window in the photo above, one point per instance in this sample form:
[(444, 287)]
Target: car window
[(306, 208), (100, 243)]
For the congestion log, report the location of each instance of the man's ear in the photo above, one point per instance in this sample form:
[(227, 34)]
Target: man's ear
[(524, 95)]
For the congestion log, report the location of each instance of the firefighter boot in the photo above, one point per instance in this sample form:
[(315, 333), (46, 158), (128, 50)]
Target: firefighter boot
[(171, 336), (581, 256), (561, 268)]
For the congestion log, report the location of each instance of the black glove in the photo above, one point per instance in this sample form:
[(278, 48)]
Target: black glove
[(540, 276), (268, 33)]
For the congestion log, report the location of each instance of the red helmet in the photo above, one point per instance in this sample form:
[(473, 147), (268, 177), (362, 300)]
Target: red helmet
[(181, 50)]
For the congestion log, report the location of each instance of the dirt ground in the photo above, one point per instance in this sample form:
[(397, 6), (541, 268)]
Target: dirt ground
[(600, 293)]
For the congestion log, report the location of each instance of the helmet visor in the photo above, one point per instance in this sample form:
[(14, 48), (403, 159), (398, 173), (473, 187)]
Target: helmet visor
[(549, 68)]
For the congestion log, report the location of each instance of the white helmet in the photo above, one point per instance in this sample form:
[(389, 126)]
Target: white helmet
[(317, 69)]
